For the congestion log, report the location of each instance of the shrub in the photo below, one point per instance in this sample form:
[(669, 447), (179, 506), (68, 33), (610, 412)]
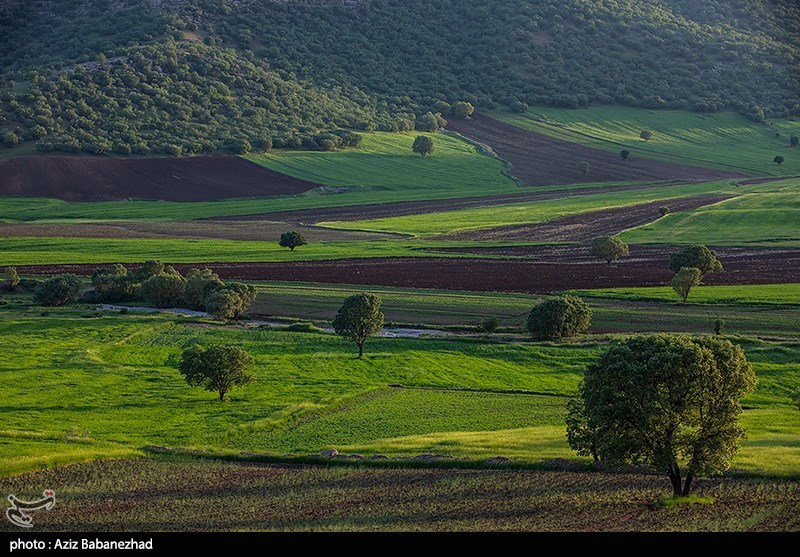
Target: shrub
[(163, 290), (58, 290), (560, 317), (490, 325)]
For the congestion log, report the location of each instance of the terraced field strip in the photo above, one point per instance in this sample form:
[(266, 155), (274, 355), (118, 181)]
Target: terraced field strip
[(722, 140)]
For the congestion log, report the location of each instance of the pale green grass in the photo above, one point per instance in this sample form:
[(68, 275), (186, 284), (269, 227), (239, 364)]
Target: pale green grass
[(724, 140)]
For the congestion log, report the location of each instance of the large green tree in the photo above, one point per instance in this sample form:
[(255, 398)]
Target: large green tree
[(359, 318), (559, 317), (698, 256), (216, 368), (423, 145), (292, 240), (670, 402), (163, 290), (58, 290), (609, 248)]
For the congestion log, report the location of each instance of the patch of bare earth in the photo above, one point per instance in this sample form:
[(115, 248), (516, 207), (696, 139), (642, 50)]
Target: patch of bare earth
[(533, 269), (203, 178), (585, 226), (538, 159)]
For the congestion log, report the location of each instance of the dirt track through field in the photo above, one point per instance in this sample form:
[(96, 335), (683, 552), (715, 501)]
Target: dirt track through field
[(535, 269), (170, 179), (538, 159), (585, 226)]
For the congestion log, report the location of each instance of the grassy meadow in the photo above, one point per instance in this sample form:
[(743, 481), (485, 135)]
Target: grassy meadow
[(718, 140)]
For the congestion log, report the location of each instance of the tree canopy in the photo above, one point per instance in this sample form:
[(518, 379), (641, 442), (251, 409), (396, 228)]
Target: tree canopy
[(217, 368), (698, 256), (359, 318), (609, 248), (559, 317), (670, 402)]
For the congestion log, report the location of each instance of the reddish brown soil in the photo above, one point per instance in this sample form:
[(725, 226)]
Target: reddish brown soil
[(542, 160), (382, 210), (585, 226), (170, 179), (535, 269)]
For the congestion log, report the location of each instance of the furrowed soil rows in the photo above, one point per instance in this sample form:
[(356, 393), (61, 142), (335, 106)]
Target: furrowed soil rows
[(541, 160), (535, 269), (585, 226), (170, 179)]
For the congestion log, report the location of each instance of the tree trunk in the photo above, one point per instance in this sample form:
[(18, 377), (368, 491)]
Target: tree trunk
[(688, 484), (675, 478), (221, 395), (360, 349)]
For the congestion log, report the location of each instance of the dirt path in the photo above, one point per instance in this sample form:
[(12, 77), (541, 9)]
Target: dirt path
[(585, 226), (171, 179), (538, 159), (537, 269)]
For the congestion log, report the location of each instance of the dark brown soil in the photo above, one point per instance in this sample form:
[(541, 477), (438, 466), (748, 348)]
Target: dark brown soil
[(402, 208), (171, 179), (536, 269), (585, 226), (542, 160)]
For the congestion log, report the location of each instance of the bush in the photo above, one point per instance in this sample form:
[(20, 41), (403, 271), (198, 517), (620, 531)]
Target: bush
[(561, 317), (58, 290), (490, 325), (664, 210), (11, 278)]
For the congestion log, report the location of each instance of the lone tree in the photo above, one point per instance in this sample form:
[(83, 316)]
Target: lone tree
[(58, 290), (216, 368), (359, 318), (162, 291), (609, 248), (423, 145), (794, 140), (11, 278), (778, 160), (684, 280), (561, 317), (670, 402), (584, 168), (462, 109), (646, 135), (624, 154), (695, 256), (292, 240)]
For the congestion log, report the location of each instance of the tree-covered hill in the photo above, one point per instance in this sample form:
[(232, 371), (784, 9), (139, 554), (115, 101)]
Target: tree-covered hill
[(197, 75)]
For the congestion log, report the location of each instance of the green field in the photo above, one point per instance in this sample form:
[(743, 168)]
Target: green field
[(80, 388), (536, 211), (757, 219), (719, 140)]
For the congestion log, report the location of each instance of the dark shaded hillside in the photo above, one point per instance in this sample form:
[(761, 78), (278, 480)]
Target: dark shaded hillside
[(191, 76)]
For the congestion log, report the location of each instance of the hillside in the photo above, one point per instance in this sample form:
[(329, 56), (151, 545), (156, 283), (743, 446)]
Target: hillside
[(144, 76)]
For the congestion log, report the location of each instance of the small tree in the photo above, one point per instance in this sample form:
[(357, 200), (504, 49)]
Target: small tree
[(11, 278), (198, 286), (462, 109), (624, 154), (58, 290), (490, 325), (609, 248), (584, 168), (292, 240), (664, 210), (778, 160), (231, 300), (695, 256), (719, 324), (423, 145), (670, 402), (646, 135), (358, 319), (684, 280), (216, 368), (163, 291), (561, 317), (793, 141), (114, 284)]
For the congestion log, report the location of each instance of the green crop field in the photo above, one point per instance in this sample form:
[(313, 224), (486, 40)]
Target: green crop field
[(80, 388), (757, 219), (722, 140), (533, 212)]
